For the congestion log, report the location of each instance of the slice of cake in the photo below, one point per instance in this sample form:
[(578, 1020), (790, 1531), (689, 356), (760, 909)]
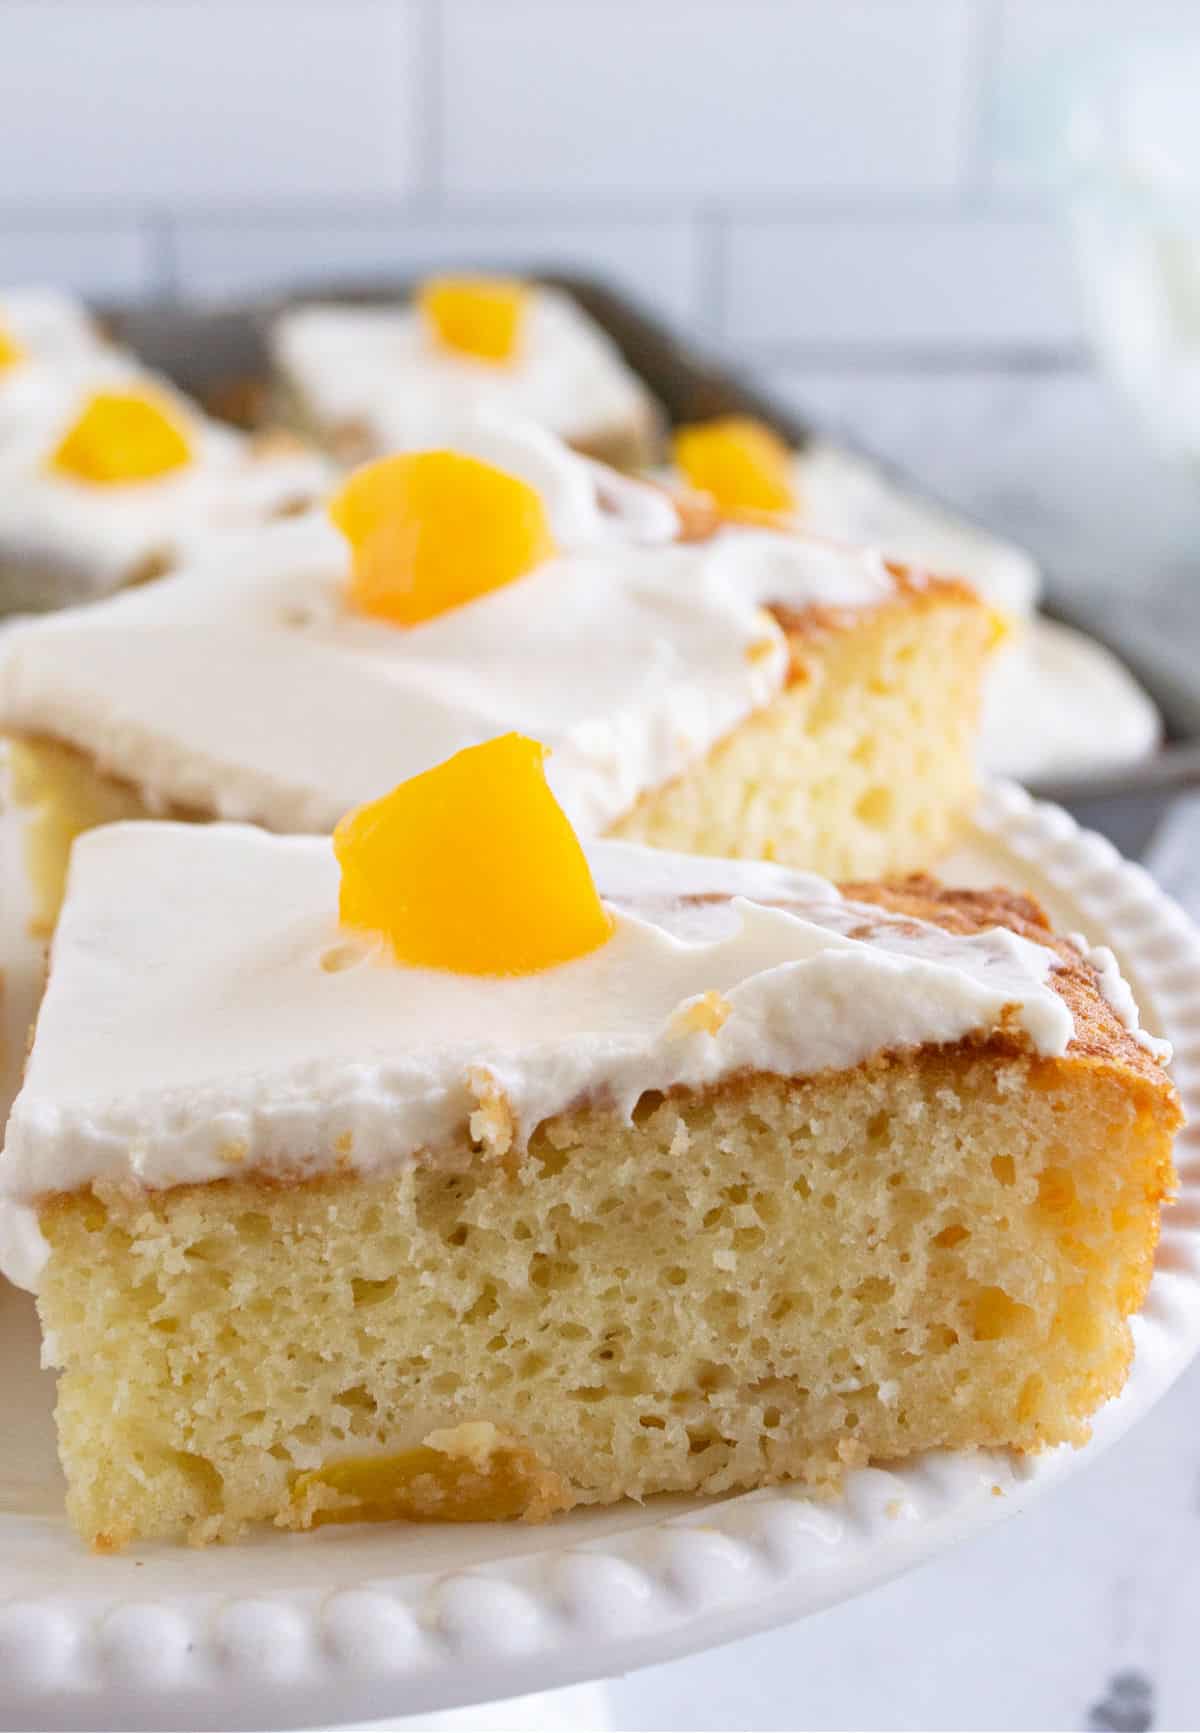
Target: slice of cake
[(372, 379), (445, 1172), (108, 476), (725, 688)]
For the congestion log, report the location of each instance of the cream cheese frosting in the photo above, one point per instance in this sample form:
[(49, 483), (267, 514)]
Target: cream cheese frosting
[(852, 498), (381, 368), (210, 1017), (63, 539), (249, 688), (1058, 704)]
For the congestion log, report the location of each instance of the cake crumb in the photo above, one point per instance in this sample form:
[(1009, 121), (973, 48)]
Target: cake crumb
[(493, 1123), (234, 1152), (474, 1441), (704, 1014), (681, 1140)]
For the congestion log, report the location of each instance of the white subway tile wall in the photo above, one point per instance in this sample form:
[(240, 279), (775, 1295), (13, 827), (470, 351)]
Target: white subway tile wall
[(125, 103), (920, 281), (790, 177), (115, 259), (708, 99)]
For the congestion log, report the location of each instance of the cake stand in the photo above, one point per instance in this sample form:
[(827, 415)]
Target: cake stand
[(356, 1624)]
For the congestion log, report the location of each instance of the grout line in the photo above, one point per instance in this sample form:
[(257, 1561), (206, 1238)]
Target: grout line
[(711, 286), (951, 358), (164, 262), (500, 211), (87, 219), (347, 212)]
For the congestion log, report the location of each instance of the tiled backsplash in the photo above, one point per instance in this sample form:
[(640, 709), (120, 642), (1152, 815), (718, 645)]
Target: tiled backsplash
[(869, 178)]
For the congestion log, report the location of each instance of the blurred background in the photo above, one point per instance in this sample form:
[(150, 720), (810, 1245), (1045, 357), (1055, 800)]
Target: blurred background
[(965, 231), (846, 197)]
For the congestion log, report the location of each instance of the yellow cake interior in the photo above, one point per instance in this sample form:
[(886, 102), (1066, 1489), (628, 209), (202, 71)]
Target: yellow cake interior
[(63, 794), (774, 1279), (864, 766)]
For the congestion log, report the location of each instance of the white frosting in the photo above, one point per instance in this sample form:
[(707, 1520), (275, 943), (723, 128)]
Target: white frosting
[(1118, 995), (48, 327), (23, 1248), (63, 539), (190, 1029), (588, 504), (380, 367), (1057, 704), (851, 498), (249, 688)]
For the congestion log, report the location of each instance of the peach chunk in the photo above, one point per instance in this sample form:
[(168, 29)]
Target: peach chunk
[(478, 316), (430, 530), (427, 1485), (741, 463), (122, 436), (472, 867), (10, 350)]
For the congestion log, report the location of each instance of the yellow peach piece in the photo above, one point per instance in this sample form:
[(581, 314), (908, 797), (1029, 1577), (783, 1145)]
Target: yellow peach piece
[(122, 436), (472, 867), (478, 316), (425, 1484), (10, 350), (430, 530), (740, 463)]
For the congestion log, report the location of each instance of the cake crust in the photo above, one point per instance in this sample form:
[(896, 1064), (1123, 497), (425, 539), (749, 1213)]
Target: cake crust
[(1100, 1038)]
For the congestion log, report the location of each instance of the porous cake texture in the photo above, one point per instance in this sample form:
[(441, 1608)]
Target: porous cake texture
[(864, 763), (867, 1244)]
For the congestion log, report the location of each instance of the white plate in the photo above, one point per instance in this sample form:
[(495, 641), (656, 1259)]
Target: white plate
[(358, 1624)]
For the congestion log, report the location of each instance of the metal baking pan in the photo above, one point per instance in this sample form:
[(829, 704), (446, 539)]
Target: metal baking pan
[(219, 354)]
